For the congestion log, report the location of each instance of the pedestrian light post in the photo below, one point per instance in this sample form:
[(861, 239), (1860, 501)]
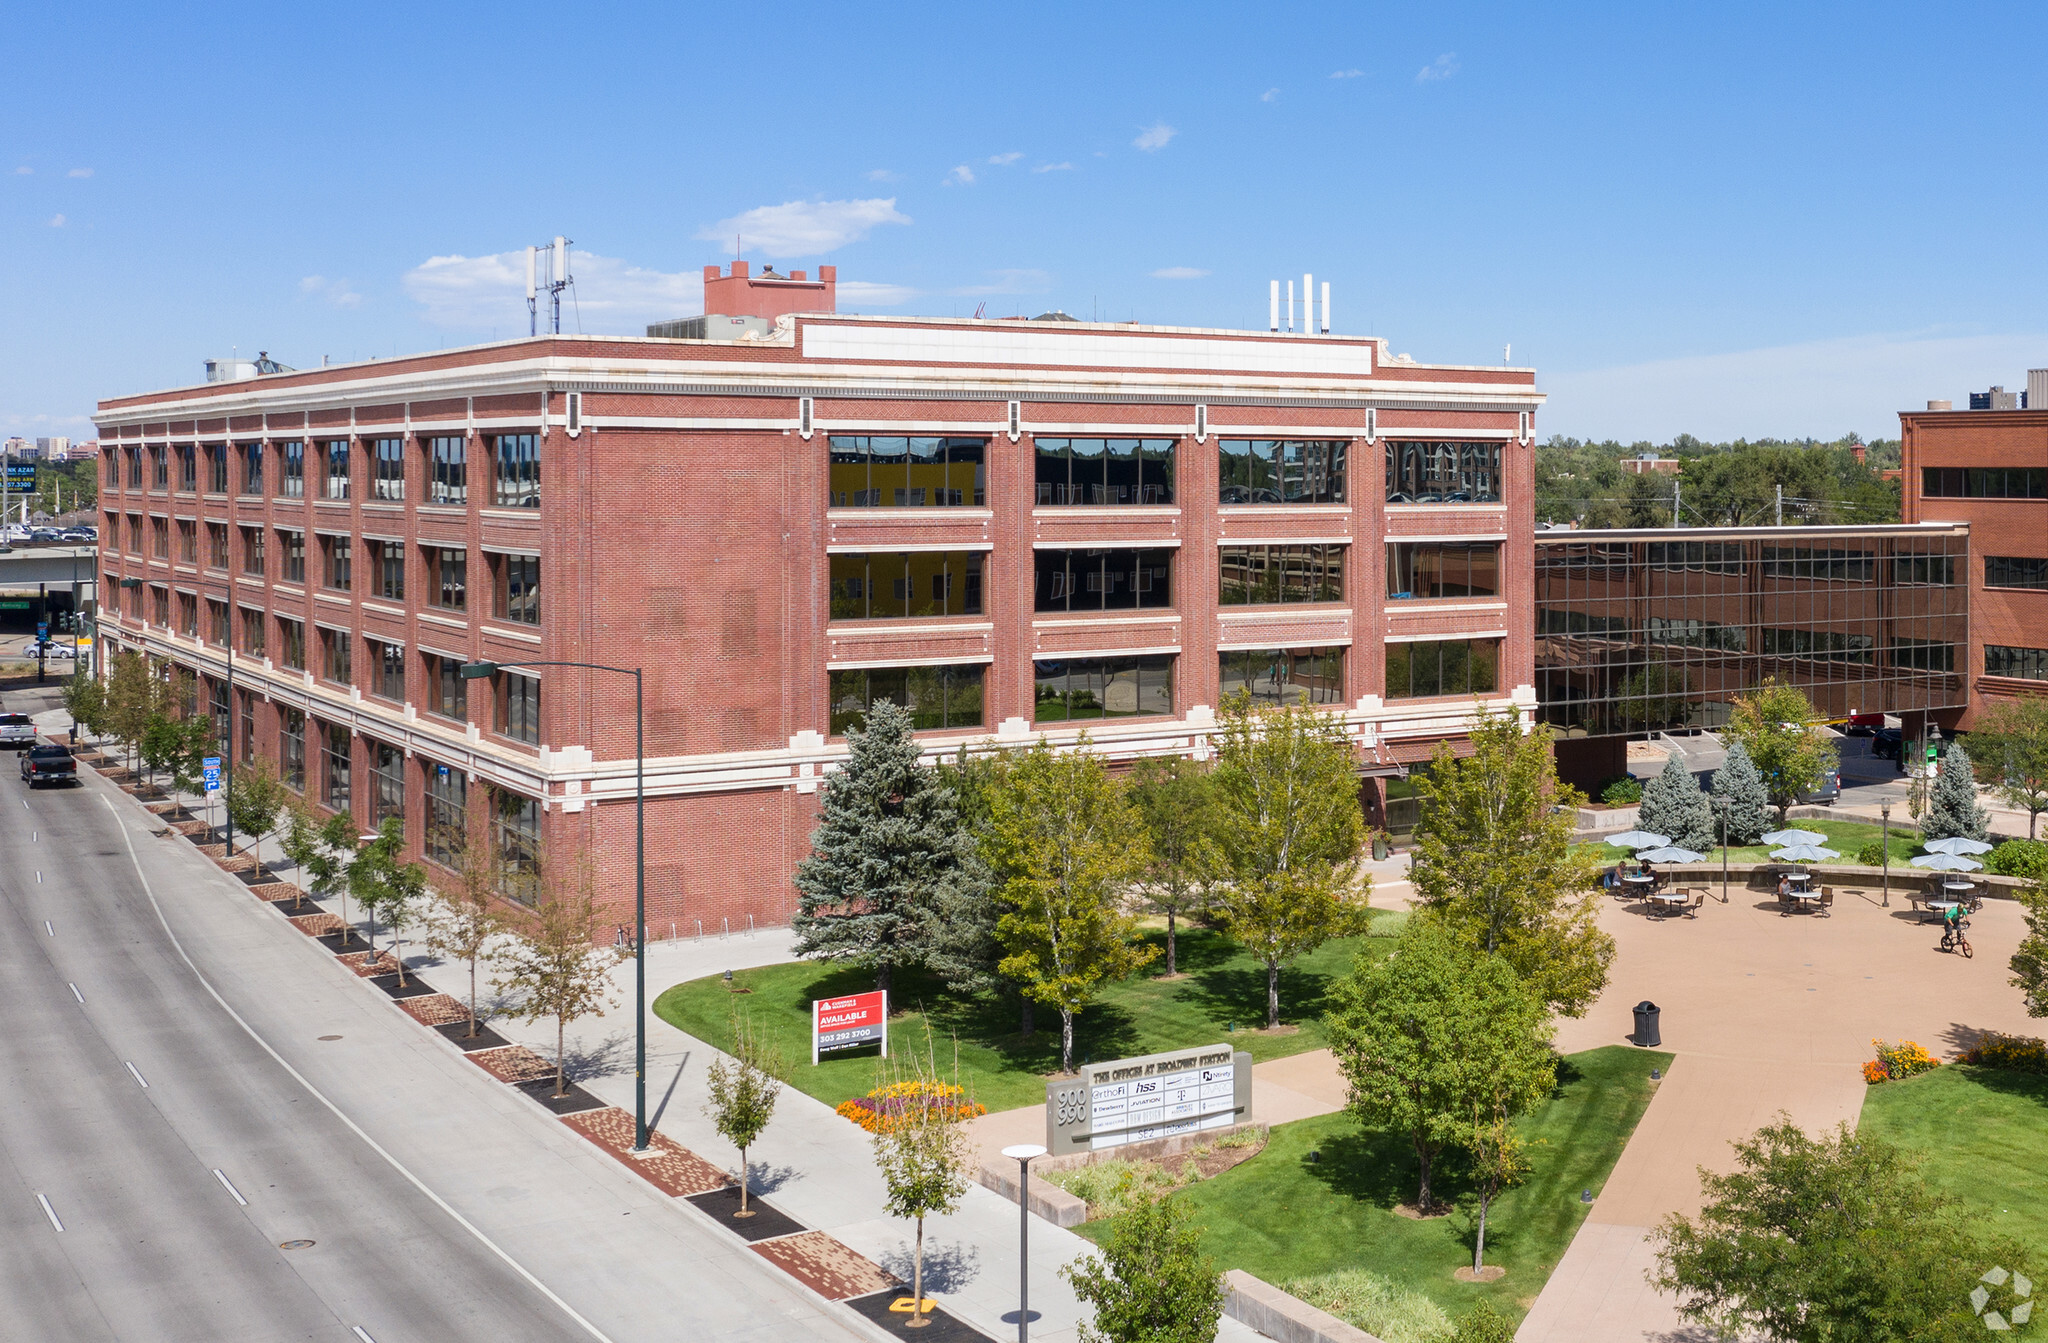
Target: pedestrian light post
[(477, 671), (1024, 1154), (1721, 805), (1884, 813)]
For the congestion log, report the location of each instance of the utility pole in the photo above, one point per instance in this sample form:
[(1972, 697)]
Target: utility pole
[(1778, 511), (1675, 488)]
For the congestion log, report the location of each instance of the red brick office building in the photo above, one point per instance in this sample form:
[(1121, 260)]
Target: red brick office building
[(1989, 468), (1016, 527)]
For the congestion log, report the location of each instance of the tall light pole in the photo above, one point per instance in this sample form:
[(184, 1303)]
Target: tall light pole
[(1884, 814), (1024, 1154), (1721, 805), (477, 671)]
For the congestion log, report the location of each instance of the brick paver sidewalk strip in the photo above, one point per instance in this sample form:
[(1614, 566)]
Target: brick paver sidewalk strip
[(360, 962), (674, 1169), (513, 1063), (317, 925), (434, 1009), (825, 1266), (275, 891)]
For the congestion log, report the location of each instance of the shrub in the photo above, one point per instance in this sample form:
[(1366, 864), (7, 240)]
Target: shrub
[(1375, 1304), (2019, 858), (1109, 1187), (1622, 792), (881, 1110), (1899, 1061), (1484, 1324), (1873, 1073), (1871, 854), (2020, 1053)]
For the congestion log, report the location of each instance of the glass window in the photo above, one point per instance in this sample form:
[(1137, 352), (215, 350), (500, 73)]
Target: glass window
[(448, 577), (1102, 580), (337, 558), (1818, 645), (1442, 667), (892, 585), (1705, 557), (387, 456), (1104, 471), (188, 468), (252, 632), (217, 627), (1111, 687), (291, 743), (387, 783), (447, 813), (2028, 663), (1809, 562), (336, 659), (188, 543), (876, 471), (2012, 571), (447, 692), (387, 559), (159, 467), (1443, 473), (517, 595), (1280, 470), (448, 470), (216, 545), (1266, 575), (188, 614), (518, 706), (1979, 482), (334, 766), (291, 639), (160, 538), (216, 468), (1285, 675), (291, 470), (1443, 569), (1926, 570), (937, 697), (291, 546), (1924, 654), (387, 666), (334, 453), (252, 551), (518, 459), (252, 468), (515, 831)]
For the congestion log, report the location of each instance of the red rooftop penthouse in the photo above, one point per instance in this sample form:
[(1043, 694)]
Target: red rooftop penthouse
[(1016, 528)]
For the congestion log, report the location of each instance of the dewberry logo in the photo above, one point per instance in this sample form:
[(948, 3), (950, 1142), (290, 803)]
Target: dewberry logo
[(2020, 1295)]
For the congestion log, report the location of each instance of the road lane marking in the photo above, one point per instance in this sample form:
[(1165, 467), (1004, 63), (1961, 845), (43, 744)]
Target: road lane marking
[(472, 1228), (138, 1075), (49, 928), (229, 1185), (363, 1336), (76, 994), (39, 876), (49, 1211)]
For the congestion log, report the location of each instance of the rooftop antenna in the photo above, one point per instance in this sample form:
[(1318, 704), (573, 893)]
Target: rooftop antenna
[(1506, 353), (558, 279)]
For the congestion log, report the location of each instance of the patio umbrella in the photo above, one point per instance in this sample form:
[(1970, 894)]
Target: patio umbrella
[(1638, 839), (1671, 853), (1794, 837), (1947, 862), (1957, 845), (1803, 853)]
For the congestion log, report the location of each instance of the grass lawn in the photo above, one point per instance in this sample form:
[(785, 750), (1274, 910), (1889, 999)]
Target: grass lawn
[(1844, 837), (1984, 1134), (1281, 1216), (1218, 985)]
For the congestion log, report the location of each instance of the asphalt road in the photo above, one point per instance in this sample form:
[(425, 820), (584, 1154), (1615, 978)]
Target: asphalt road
[(96, 1001)]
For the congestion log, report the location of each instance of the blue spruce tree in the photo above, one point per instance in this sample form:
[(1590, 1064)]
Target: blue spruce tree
[(1674, 805), (1952, 810), (1749, 806)]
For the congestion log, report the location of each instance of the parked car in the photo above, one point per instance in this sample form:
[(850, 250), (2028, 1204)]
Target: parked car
[(52, 650), (48, 764), (1885, 743), (1829, 792), (45, 536), (17, 731), (82, 536)]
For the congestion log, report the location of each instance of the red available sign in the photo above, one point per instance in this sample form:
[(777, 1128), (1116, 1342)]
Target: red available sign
[(845, 1023)]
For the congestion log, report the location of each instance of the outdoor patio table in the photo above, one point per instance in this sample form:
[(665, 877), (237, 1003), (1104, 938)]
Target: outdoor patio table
[(1672, 901), (1939, 908), (1804, 897), (1639, 879), (1952, 885)]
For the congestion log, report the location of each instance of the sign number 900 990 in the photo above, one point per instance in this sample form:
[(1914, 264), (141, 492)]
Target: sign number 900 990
[(1070, 1107)]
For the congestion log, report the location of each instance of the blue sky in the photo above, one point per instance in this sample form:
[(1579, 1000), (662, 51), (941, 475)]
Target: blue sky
[(1725, 220)]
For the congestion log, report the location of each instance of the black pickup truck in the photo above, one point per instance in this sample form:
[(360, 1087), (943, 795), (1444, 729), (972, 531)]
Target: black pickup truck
[(48, 764)]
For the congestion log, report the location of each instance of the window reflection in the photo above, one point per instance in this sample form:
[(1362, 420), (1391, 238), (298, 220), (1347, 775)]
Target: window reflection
[(1102, 580), (1443, 569), (899, 586), (884, 471), (1114, 687), (1269, 575), (1284, 675), (937, 697), (1443, 473), (1104, 471), (1280, 471)]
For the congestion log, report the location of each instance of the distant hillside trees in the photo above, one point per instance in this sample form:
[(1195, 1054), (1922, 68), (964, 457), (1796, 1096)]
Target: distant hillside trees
[(1720, 484)]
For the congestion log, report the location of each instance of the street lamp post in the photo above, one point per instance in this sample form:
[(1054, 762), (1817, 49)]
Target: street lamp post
[(1884, 813), (1722, 807), (476, 671), (1023, 1154)]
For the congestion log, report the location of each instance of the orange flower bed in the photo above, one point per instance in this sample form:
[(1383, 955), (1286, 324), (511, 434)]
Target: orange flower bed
[(1895, 1062), (882, 1109)]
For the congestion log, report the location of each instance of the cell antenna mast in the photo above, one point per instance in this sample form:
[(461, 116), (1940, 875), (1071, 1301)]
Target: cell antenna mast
[(556, 256)]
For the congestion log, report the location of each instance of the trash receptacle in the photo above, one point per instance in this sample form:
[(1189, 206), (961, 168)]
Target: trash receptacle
[(1646, 1035), (1379, 848)]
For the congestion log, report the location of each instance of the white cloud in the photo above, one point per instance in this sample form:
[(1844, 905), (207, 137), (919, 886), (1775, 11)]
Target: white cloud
[(80, 172), (1154, 137), (23, 171), (881, 175), (961, 176), (1346, 74), (1179, 273), (1054, 168), (614, 296), (1269, 95), (803, 228), (336, 292), (857, 294), (56, 221), (1443, 67), (1007, 282), (1000, 159), (1823, 388)]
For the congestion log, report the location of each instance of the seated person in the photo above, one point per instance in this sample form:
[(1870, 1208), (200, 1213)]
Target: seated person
[(1650, 871), (1784, 885)]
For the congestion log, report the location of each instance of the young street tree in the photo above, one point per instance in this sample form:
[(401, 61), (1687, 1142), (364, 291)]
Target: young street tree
[(1177, 798), (1494, 863), (1674, 805), (1775, 724), (1738, 796), (1499, 1159), (1812, 1240), (743, 1089), (924, 1159), (85, 699), (464, 922), (2011, 740), (887, 841), (130, 701), (1287, 833), (1064, 842), (553, 961), (254, 799), (1432, 1031), (335, 843), (1952, 811), (298, 835), (1150, 1283), (387, 886)]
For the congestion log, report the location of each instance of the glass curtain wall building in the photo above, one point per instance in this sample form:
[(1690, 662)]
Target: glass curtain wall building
[(1659, 630)]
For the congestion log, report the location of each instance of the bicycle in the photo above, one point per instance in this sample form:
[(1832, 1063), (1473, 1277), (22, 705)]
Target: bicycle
[(1953, 940)]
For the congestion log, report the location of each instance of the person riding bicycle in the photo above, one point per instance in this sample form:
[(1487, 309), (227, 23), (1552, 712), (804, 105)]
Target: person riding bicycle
[(1952, 925)]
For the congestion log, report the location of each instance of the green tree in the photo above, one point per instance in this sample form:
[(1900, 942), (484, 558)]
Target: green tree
[(335, 842), (85, 699), (1952, 811), (1433, 1031), (2029, 963), (1739, 798), (923, 1157), (1150, 1282), (387, 886), (1064, 841), (1177, 798), (2011, 738), (888, 840), (1499, 1160), (960, 943), (1287, 832), (130, 702), (464, 923), (1824, 1239), (1483, 1324), (743, 1087), (1776, 724), (1674, 805), (552, 958), (196, 742), (255, 798), (1494, 862)]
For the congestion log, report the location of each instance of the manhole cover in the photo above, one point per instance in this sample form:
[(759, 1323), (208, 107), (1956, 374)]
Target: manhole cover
[(330, 1037), (295, 1245)]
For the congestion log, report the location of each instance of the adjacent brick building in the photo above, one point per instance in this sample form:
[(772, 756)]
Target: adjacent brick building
[(1018, 527)]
